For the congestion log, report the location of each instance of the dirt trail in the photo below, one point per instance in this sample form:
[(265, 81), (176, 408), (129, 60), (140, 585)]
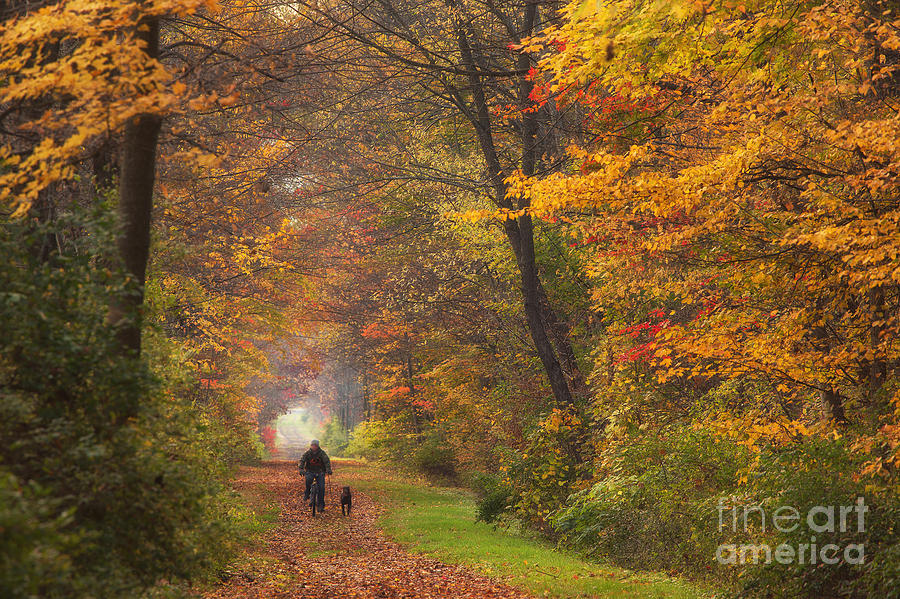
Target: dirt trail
[(331, 556)]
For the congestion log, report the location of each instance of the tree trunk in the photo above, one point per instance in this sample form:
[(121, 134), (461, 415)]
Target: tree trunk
[(136, 175), (521, 239), (410, 380), (878, 365), (367, 412), (832, 405), (559, 331), (519, 232)]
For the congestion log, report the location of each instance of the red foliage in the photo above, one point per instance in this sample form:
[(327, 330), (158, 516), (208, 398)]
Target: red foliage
[(379, 331), (212, 384), (267, 434), (397, 391), (649, 330), (423, 404)]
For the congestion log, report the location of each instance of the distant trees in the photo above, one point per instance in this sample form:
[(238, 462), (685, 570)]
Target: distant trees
[(455, 67)]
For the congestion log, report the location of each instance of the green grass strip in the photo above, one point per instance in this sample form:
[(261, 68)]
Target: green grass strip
[(440, 522)]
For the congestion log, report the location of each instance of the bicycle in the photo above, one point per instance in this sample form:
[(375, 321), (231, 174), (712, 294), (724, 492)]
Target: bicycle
[(316, 495)]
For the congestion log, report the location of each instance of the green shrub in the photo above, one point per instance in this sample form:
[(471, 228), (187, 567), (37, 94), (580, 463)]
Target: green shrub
[(661, 506), (494, 497), (35, 546), (335, 437), (658, 509), (432, 456), (385, 441), (108, 484), (375, 440), (555, 458), (819, 472)]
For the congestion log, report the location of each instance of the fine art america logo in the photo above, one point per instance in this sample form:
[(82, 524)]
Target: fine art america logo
[(820, 519)]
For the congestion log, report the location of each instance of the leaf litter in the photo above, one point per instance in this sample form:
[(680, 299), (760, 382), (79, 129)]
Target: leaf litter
[(331, 556)]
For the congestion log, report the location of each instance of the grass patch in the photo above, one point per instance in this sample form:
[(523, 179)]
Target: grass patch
[(256, 513), (440, 522)]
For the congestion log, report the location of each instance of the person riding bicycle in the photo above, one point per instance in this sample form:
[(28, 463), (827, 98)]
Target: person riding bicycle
[(315, 464)]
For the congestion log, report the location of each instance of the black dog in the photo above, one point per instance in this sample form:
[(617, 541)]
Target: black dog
[(346, 501)]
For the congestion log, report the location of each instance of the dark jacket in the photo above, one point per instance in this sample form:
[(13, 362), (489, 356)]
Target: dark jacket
[(315, 461)]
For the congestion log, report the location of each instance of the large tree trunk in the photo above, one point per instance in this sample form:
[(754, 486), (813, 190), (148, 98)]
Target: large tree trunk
[(519, 232), (560, 332), (521, 237), (137, 170)]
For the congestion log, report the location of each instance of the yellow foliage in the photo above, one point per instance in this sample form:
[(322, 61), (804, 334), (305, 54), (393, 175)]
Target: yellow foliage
[(770, 211), (95, 82)]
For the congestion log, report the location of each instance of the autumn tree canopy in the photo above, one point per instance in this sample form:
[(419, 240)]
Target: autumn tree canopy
[(611, 264)]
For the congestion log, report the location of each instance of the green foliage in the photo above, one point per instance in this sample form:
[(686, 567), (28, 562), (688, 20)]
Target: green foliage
[(657, 505), (494, 497), (335, 437), (655, 508), (554, 458), (811, 474), (373, 440), (383, 441), (109, 483), (35, 544), (433, 456)]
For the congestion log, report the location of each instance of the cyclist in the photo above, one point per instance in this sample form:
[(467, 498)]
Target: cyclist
[(315, 464)]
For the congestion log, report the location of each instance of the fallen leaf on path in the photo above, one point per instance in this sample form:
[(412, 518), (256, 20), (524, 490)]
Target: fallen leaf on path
[(334, 557)]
